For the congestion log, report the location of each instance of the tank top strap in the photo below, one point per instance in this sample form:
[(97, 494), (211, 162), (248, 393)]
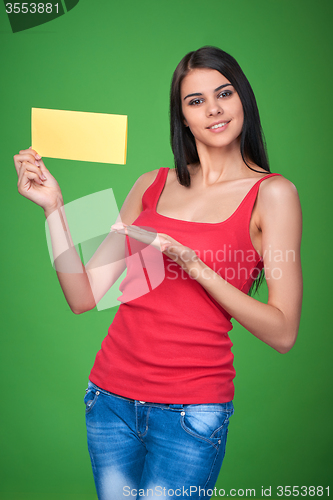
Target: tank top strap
[(245, 209), (153, 192)]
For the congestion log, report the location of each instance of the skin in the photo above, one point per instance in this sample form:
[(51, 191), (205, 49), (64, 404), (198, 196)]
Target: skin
[(276, 221)]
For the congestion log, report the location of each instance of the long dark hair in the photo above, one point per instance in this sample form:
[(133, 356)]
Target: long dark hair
[(183, 145), (252, 145)]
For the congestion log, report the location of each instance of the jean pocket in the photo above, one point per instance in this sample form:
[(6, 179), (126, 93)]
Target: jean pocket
[(206, 423), (90, 398)]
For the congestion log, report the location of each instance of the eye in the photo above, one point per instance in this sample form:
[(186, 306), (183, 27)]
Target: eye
[(225, 93), (195, 102)]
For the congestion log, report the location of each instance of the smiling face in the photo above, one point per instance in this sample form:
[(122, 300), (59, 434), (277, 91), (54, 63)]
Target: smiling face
[(212, 109)]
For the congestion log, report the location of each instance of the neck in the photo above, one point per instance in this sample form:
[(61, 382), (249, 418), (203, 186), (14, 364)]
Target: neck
[(218, 164)]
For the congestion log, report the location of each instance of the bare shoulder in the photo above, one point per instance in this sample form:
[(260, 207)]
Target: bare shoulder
[(145, 180), (277, 190), (278, 201), (132, 206)]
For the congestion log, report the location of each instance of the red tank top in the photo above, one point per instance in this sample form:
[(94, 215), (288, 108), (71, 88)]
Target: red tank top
[(171, 345)]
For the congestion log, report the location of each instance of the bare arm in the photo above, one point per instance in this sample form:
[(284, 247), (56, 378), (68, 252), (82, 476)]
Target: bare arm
[(82, 286), (275, 323)]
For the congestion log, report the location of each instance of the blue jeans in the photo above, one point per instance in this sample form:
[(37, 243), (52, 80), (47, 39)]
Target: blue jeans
[(151, 450)]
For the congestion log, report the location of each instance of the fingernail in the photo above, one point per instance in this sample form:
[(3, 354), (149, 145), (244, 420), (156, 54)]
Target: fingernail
[(43, 178), (36, 163), (38, 157)]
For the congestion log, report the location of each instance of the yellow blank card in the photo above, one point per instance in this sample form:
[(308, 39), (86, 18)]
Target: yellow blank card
[(76, 135)]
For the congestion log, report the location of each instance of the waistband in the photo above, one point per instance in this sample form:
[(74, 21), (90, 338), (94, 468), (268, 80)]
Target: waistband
[(228, 407)]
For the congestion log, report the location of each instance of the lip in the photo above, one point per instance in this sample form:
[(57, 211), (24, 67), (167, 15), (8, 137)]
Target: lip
[(219, 129)]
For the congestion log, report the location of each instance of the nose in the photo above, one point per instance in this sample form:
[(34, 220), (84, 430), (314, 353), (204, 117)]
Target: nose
[(214, 108)]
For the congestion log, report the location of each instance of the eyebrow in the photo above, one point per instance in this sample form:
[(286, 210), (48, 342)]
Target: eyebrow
[(215, 90)]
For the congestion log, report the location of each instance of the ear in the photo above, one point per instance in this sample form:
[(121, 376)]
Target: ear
[(185, 123)]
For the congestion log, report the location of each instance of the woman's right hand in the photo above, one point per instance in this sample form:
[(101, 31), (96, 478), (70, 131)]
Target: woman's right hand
[(35, 182)]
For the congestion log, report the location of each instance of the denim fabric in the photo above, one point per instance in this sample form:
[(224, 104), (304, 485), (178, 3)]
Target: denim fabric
[(152, 450)]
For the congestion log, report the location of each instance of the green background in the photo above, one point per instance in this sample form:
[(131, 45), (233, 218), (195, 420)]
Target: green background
[(113, 57)]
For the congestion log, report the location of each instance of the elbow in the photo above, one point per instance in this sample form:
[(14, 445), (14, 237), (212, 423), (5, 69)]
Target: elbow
[(80, 309), (284, 349), (287, 344), (77, 311)]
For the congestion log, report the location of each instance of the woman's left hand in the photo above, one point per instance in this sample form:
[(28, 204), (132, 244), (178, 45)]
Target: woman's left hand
[(280, 219), (184, 256)]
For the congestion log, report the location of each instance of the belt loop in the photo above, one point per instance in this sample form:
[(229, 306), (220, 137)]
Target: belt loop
[(176, 407)]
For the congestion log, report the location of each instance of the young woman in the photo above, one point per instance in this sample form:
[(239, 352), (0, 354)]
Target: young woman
[(160, 392)]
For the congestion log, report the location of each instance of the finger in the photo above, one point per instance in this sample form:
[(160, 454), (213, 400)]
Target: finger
[(30, 167), (140, 230), (163, 241), (26, 157), (25, 181), (171, 251), (43, 169), (165, 247), (133, 231), (20, 158), (119, 227), (30, 151), (140, 234), (24, 152)]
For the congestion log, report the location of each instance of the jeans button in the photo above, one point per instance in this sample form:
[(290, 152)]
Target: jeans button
[(182, 413), (97, 393), (142, 402)]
